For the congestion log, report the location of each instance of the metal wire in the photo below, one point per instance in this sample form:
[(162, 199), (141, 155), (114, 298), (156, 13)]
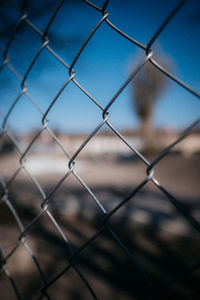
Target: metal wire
[(46, 198)]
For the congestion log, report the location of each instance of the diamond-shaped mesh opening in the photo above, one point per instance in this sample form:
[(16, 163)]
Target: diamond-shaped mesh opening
[(115, 56), (89, 118)]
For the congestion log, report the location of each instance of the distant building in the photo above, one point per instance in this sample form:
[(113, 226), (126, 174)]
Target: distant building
[(109, 144)]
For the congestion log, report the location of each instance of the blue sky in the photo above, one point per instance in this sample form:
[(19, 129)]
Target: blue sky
[(104, 65)]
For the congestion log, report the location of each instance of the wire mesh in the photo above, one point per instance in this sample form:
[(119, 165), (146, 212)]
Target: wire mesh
[(142, 281)]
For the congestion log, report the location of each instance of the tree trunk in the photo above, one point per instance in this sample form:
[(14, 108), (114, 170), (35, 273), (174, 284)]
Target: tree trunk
[(147, 132)]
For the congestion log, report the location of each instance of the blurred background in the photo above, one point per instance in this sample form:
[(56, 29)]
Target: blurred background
[(150, 114)]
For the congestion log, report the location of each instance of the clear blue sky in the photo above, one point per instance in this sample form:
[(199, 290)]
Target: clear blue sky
[(104, 65)]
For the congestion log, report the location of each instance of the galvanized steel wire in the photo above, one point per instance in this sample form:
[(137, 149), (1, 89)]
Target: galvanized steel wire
[(71, 159)]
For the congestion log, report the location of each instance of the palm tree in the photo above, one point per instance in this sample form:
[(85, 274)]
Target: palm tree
[(148, 85)]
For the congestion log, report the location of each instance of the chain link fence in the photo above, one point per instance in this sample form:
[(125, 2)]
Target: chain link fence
[(41, 235)]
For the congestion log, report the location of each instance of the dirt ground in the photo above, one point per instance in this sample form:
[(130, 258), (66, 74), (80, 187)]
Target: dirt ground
[(176, 172), (160, 259)]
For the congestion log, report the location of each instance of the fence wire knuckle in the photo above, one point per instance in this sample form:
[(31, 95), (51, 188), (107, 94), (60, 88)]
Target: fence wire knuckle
[(47, 195)]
